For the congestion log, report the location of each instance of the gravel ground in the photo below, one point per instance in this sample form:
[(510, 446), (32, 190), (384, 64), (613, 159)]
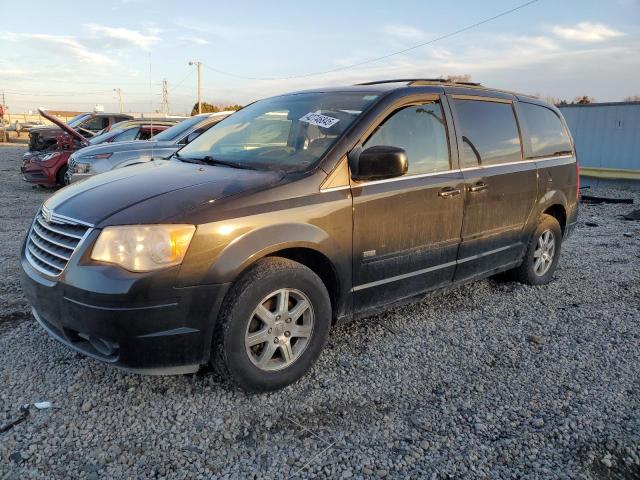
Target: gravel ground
[(491, 380)]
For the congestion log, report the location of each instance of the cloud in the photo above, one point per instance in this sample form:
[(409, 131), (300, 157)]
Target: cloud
[(126, 36), (61, 45), (586, 32), (227, 31), (528, 64), (193, 41), (403, 31)]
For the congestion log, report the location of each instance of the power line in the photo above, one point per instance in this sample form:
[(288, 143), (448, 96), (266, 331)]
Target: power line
[(382, 57)]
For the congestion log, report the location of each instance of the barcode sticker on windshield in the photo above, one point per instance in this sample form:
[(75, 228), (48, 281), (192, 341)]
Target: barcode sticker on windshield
[(319, 120)]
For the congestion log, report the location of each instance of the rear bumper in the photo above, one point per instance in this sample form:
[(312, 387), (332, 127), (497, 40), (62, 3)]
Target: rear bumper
[(165, 331)]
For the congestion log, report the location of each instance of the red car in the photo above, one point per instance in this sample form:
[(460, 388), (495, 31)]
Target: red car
[(48, 168)]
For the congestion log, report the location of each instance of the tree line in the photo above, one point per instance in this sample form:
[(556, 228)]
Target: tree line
[(211, 108)]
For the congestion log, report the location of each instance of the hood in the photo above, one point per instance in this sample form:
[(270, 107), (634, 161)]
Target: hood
[(44, 128), (117, 147), (153, 192), (63, 126)]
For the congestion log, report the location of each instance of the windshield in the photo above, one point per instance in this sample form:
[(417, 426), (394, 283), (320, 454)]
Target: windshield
[(177, 131), (289, 133), (77, 119), (103, 137)]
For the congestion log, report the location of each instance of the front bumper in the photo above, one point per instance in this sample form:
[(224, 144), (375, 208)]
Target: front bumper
[(33, 173), (137, 322)]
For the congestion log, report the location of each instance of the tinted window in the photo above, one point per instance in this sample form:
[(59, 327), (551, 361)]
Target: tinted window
[(128, 134), (103, 137), (489, 133), (547, 135), (96, 124), (421, 131)]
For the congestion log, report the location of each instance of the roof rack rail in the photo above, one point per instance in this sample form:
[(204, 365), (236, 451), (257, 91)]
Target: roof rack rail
[(420, 81)]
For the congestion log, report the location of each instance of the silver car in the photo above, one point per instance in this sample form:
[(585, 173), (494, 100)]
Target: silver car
[(93, 160)]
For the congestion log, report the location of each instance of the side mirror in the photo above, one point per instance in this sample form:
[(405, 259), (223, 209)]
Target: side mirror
[(378, 163), (192, 136)]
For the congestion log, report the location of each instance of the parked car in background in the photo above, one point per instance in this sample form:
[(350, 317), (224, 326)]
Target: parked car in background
[(99, 159), (87, 124), (140, 131), (298, 212), (49, 168), (169, 121)]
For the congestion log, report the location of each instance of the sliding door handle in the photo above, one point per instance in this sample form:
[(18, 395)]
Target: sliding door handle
[(448, 192), (478, 187)]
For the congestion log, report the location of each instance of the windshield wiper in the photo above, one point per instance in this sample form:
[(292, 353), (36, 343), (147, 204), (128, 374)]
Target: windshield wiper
[(209, 160)]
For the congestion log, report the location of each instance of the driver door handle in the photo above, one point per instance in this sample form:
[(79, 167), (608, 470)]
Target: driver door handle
[(448, 192), (478, 187)]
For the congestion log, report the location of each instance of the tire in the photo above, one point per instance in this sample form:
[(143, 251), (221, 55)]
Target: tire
[(281, 353), (61, 176), (530, 271)]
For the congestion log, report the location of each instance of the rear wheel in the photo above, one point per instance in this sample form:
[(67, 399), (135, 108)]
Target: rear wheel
[(272, 326), (542, 255)]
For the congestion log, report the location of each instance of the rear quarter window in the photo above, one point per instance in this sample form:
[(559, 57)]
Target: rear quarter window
[(490, 133), (547, 136)]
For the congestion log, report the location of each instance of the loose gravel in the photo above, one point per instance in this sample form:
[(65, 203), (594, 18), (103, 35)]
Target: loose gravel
[(491, 380)]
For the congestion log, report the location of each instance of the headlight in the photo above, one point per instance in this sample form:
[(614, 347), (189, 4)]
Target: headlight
[(142, 248), (97, 156), (46, 156), (81, 167)]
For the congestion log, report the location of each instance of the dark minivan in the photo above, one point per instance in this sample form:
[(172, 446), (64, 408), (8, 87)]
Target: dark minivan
[(297, 212)]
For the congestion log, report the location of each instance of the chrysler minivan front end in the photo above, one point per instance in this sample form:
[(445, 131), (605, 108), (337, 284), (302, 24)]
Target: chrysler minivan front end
[(129, 267)]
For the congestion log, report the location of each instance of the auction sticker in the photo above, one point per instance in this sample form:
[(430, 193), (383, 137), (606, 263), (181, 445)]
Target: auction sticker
[(319, 120)]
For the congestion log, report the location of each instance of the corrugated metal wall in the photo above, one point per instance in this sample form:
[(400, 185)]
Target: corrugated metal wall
[(607, 135)]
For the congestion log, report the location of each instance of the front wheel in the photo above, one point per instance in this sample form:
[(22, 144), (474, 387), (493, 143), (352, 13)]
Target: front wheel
[(61, 176), (543, 252), (272, 325)]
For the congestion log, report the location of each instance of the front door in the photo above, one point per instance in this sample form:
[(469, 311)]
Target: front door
[(407, 229), (501, 188)]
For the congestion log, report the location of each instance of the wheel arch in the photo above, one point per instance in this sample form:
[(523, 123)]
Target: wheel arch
[(304, 243), (559, 212), (318, 263)]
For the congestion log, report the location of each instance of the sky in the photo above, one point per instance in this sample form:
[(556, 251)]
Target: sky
[(66, 55)]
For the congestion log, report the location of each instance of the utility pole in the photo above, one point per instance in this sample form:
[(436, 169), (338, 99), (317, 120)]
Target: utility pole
[(119, 92), (199, 65), (165, 97)]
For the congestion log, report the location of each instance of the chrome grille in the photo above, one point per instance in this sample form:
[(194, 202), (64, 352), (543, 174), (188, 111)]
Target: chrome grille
[(51, 243)]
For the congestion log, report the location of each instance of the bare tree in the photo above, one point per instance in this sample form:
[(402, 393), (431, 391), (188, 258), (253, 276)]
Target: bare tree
[(464, 78), (584, 100)]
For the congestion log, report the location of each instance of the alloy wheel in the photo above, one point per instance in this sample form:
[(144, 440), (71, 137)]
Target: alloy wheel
[(544, 253), (279, 329)]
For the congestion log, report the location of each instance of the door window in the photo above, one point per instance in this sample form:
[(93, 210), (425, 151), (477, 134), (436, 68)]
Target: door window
[(547, 135), (421, 131), (96, 124), (128, 134), (489, 133)]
